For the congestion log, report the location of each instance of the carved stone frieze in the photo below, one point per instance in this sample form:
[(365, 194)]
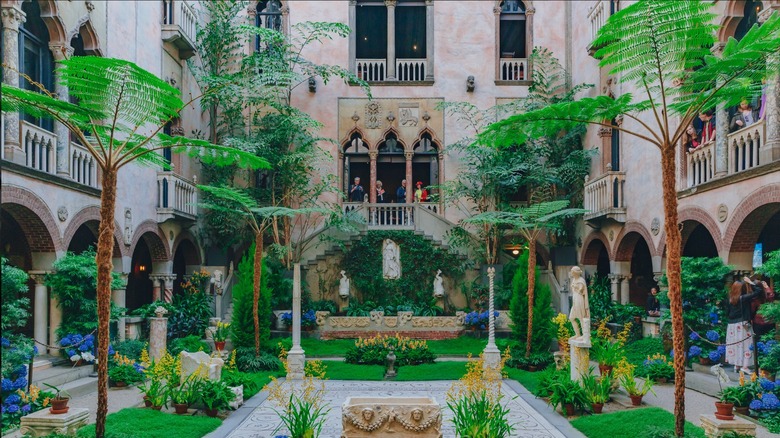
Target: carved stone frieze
[(373, 119), (435, 321), (321, 316), (390, 417), (349, 321), (404, 317), (376, 316)]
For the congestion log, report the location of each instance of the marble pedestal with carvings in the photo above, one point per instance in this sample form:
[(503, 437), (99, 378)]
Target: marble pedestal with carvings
[(579, 353), (44, 423), (715, 428), (391, 417)]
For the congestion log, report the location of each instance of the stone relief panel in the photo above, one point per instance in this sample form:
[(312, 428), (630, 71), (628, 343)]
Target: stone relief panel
[(408, 117)]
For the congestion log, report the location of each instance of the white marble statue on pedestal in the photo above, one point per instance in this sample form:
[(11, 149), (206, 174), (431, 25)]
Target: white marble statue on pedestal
[(438, 285), (580, 310), (391, 260), (344, 285)]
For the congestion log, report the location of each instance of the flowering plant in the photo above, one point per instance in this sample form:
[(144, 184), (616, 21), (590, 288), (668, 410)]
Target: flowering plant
[(81, 348), (706, 346), (373, 351), (659, 367), (124, 369), (765, 402), (480, 320), (308, 318), (221, 332)]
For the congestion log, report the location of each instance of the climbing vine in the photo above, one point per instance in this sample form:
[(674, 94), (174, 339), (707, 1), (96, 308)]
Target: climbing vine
[(419, 261)]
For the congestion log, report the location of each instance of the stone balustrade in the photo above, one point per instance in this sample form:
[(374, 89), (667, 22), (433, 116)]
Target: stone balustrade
[(604, 196), (744, 147), (39, 146), (83, 168), (410, 70), (512, 69), (371, 70), (179, 26), (701, 164), (406, 70), (176, 197)]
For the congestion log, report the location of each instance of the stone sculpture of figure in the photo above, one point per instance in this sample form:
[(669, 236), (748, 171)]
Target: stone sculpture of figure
[(579, 306), (470, 84), (438, 285), (344, 285), (417, 413), (391, 264), (368, 414)]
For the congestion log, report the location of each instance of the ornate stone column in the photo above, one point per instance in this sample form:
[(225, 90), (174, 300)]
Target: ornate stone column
[(721, 129), (770, 150), (492, 355), (168, 280), (55, 319), (409, 184), (12, 17), (118, 297), (40, 307), (157, 283), (390, 40), (614, 286), (372, 155), (61, 52), (623, 287), (296, 358), (429, 20)]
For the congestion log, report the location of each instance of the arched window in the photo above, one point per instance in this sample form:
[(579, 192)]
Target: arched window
[(35, 58), (425, 162), (269, 16), (749, 18), (356, 162), (513, 41)]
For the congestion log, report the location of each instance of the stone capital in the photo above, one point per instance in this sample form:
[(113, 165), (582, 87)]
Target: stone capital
[(390, 3), (12, 18), (530, 11), (60, 51), (408, 155), (717, 48), (765, 14), (373, 154), (38, 276)]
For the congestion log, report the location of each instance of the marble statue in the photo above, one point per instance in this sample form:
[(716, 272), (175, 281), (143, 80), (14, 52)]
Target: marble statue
[(579, 306), (344, 285), (391, 264), (438, 285)]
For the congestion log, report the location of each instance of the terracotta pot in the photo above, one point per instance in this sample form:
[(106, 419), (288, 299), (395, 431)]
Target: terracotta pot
[(211, 412), (569, 409), (742, 410), (605, 369), (662, 380), (219, 345), (597, 407), (181, 408), (157, 408), (532, 368), (724, 411), (636, 400), (147, 402), (704, 360), (120, 384), (59, 405)]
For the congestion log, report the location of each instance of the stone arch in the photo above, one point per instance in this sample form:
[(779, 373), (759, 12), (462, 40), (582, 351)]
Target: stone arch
[(627, 239), (348, 138), (88, 34), (35, 218), (695, 214), (733, 15), (391, 130), (155, 240), (51, 18), (765, 197), (187, 236), (92, 214), (590, 253), (434, 138)]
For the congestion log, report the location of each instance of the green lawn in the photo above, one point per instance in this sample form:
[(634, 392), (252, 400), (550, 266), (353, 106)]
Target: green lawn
[(526, 378), (337, 370), (435, 371), (637, 351), (640, 420), (337, 347), (333, 348), (148, 423)]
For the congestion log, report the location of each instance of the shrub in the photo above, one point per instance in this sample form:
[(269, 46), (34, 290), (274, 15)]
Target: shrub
[(215, 394), (248, 362), (543, 327), (191, 313), (242, 323), (130, 348), (600, 299), (127, 373), (324, 306), (658, 367), (190, 344), (373, 351)]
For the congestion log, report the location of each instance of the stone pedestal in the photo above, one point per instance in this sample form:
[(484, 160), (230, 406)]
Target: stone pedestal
[(296, 358), (43, 423), (133, 326), (158, 337), (238, 400), (391, 417), (715, 428), (579, 357)]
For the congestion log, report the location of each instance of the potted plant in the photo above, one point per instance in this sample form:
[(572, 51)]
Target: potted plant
[(184, 395), (79, 349), (769, 359), (59, 404), (659, 368), (598, 390), (569, 395), (634, 390), (155, 394), (216, 396), (539, 361), (125, 374), (220, 335), (728, 398), (607, 353)]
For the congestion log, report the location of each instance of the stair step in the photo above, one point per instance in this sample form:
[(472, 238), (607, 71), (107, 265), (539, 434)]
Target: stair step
[(80, 387), (43, 362), (60, 375)]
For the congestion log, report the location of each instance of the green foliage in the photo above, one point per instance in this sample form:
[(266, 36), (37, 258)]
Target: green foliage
[(653, 422), (770, 362), (124, 373), (566, 391), (187, 392), (480, 415), (130, 348), (770, 311), (148, 423), (771, 267), (597, 389), (242, 324), (600, 299), (215, 394), (191, 314), (544, 329), (247, 361), (419, 259), (191, 343), (74, 283), (14, 301), (373, 351)]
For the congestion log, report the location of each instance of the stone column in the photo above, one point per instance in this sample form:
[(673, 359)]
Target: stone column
[(158, 334), (41, 307), (390, 40), (624, 288), (615, 286), (429, 20), (157, 283), (118, 297), (721, 128), (580, 357), (12, 17), (352, 36), (770, 150), (440, 162), (372, 176), (296, 358), (61, 52), (409, 184), (491, 355), (497, 42), (168, 280), (55, 319)]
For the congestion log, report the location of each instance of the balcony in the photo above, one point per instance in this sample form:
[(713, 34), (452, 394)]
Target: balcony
[(39, 146), (604, 198), (512, 69), (177, 198), (406, 70), (598, 14), (83, 168), (179, 26), (743, 156)]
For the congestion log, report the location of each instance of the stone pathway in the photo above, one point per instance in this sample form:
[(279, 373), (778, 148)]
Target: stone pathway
[(263, 420)]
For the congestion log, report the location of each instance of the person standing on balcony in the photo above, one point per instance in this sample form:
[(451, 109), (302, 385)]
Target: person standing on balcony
[(690, 139), (380, 193), (744, 117), (400, 194), (420, 195), (356, 192), (707, 132)]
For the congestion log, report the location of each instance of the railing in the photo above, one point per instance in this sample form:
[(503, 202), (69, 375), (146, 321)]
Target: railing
[(386, 216), (371, 70), (176, 194), (744, 147), (598, 15), (512, 69), (701, 164), (39, 146), (83, 168), (604, 195), (179, 12), (410, 70)]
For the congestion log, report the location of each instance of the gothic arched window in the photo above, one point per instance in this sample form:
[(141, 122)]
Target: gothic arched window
[(35, 57), (512, 28), (269, 16)]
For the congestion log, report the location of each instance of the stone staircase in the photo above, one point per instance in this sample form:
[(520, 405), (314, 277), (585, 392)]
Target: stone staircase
[(77, 381)]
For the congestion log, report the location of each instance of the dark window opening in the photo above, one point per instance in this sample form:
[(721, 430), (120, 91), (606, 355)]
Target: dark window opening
[(391, 145), (512, 30), (749, 18), (371, 32), (615, 144), (35, 58), (410, 31), (269, 16)]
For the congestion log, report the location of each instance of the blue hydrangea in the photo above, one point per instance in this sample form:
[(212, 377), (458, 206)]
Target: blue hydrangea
[(767, 385), (35, 349), (694, 336), (694, 351), (7, 384), (712, 335), (770, 402), (714, 355), (6, 342), (756, 405), (71, 353), (12, 409), (21, 370), (722, 349), (111, 351), (714, 319), (20, 383), (26, 408), (13, 399)]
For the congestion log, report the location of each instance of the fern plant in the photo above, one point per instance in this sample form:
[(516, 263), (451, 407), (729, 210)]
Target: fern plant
[(662, 49), (119, 118)]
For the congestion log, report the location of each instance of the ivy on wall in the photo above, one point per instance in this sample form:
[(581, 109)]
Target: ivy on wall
[(420, 260)]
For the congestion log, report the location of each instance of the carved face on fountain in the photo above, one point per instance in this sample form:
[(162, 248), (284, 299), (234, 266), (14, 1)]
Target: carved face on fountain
[(368, 414), (417, 414)]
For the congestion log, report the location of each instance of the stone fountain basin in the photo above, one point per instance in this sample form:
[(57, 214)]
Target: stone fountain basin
[(391, 417), (389, 401)]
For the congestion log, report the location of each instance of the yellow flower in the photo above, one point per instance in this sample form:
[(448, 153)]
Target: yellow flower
[(45, 402)]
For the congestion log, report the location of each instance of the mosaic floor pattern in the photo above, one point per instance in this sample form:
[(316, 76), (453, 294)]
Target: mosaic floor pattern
[(262, 422)]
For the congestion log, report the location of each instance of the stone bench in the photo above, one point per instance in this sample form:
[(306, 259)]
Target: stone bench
[(391, 417)]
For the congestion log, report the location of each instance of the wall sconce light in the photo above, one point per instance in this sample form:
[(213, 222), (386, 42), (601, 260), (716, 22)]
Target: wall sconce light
[(515, 252), (470, 85), (141, 268)]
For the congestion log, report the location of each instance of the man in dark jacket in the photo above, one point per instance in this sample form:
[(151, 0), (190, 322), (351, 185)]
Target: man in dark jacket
[(400, 194), (356, 192)]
